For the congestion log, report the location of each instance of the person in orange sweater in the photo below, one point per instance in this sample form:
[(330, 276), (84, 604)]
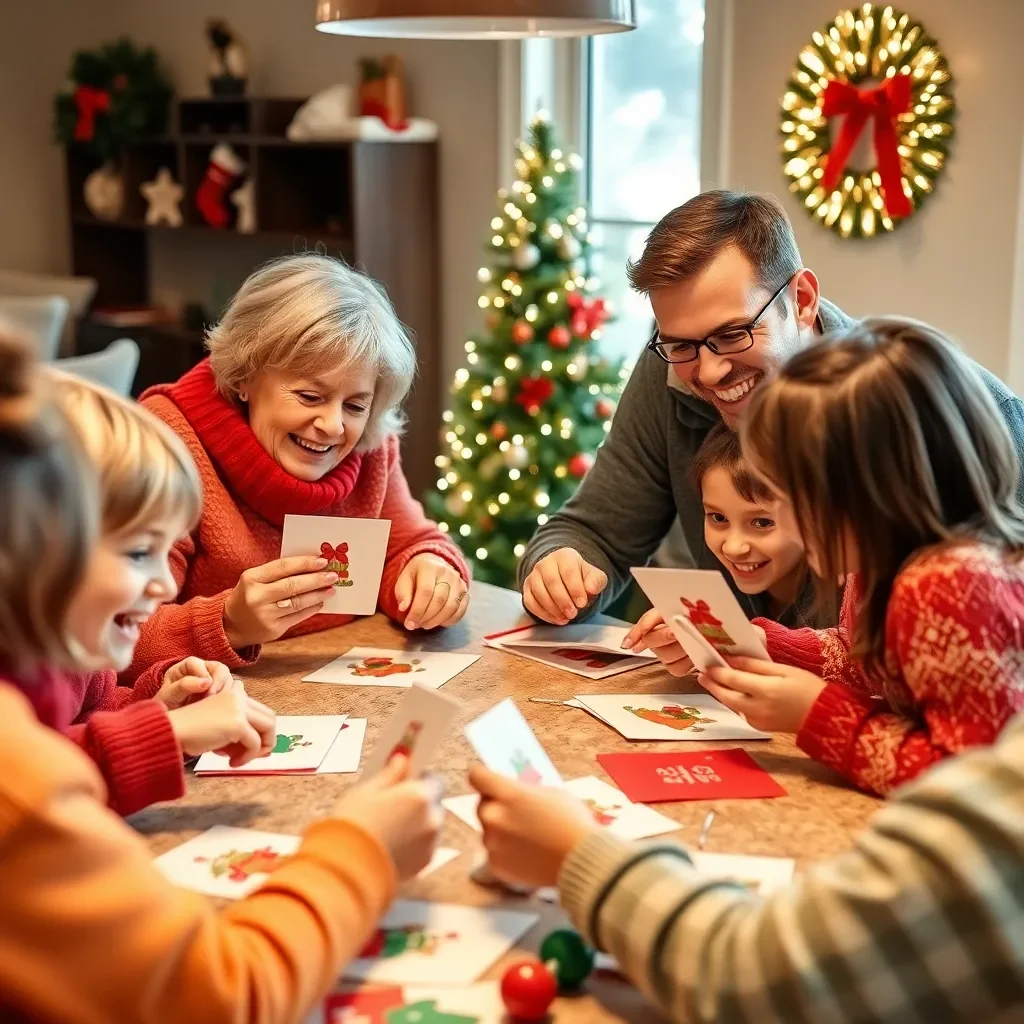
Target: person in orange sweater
[(89, 928), (297, 410), (894, 467)]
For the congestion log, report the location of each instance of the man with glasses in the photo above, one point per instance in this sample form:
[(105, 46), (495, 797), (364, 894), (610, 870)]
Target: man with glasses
[(733, 302)]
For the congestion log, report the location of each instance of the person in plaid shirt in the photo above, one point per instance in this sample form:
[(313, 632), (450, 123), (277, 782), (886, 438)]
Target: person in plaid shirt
[(921, 922)]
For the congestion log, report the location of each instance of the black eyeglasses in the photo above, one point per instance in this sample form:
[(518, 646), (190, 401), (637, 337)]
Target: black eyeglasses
[(724, 343)]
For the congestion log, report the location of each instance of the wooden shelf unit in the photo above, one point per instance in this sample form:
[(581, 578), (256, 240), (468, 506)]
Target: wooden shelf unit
[(375, 203)]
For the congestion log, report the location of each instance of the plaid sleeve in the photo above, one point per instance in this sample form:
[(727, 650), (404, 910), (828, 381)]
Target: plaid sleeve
[(921, 922)]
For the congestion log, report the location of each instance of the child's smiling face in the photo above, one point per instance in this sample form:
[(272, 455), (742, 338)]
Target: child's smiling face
[(745, 538)]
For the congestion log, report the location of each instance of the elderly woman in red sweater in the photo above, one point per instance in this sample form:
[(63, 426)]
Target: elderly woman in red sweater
[(296, 411)]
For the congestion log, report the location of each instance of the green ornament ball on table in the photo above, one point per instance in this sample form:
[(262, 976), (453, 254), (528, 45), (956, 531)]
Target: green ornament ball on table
[(571, 959)]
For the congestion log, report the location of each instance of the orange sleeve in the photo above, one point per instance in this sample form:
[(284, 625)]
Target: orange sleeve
[(82, 902)]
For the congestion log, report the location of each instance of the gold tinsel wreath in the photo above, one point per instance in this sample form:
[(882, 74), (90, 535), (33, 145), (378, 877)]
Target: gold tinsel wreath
[(868, 44)]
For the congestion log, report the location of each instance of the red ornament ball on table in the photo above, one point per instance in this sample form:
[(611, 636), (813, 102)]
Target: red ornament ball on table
[(559, 336), (522, 332), (603, 408), (579, 465), (528, 989)]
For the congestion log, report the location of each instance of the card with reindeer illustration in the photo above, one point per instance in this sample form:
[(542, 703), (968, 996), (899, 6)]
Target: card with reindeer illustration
[(354, 548), (669, 716), (703, 613), (377, 666)]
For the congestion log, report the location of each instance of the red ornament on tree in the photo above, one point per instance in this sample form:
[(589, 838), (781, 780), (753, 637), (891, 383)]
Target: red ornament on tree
[(499, 431), (559, 336), (527, 989), (587, 317), (522, 332), (579, 465), (603, 408), (89, 101), (534, 392)]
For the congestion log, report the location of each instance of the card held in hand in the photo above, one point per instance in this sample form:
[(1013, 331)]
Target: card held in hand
[(416, 729), (508, 746)]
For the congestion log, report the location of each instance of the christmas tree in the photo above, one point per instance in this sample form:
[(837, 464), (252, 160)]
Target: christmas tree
[(535, 401)]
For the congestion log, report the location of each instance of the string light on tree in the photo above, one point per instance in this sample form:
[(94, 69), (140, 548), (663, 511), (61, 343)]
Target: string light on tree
[(531, 405)]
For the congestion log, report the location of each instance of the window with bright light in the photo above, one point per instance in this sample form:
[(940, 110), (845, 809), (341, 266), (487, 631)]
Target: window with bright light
[(643, 135)]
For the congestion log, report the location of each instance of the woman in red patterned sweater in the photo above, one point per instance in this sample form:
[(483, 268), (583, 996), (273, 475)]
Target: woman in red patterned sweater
[(296, 411), (893, 466)]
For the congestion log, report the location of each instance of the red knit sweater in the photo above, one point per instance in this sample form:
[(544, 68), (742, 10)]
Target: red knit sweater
[(246, 496), (128, 736), (954, 667)]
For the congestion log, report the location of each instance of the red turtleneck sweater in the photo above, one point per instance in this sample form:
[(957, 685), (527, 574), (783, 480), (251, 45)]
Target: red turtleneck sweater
[(246, 496)]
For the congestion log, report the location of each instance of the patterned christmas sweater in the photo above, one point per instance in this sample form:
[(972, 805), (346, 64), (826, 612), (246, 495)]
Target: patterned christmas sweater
[(954, 668)]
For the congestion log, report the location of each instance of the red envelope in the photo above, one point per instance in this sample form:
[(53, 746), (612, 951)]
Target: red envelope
[(703, 775)]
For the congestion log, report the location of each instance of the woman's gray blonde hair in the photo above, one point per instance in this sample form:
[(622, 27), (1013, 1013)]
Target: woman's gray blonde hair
[(307, 314)]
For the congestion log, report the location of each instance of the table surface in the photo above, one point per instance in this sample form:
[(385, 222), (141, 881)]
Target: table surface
[(816, 819)]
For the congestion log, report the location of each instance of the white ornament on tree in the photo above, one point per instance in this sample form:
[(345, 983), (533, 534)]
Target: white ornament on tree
[(525, 256), (244, 200), (579, 366), (164, 196), (517, 457), (569, 247)]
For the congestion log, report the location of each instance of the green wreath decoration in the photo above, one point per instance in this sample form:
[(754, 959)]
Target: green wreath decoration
[(880, 69), (115, 97)]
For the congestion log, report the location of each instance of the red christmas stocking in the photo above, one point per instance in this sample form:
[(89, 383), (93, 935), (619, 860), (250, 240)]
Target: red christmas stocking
[(222, 174)]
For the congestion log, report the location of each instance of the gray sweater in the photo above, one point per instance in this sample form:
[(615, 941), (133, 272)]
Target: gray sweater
[(641, 478)]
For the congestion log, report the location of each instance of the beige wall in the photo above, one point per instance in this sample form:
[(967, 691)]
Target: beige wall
[(454, 83), (955, 263)]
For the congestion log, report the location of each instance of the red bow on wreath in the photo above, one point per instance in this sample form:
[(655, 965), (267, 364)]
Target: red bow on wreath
[(534, 392), (587, 317), (884, 104), (90, 101)]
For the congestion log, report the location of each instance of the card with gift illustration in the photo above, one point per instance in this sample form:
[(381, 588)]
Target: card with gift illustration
[(419, 943), (416, 729), (610, 807), (415, 1004), (706, 600), (377, 666), (669, 716), (303, 741), (354, 548), (585, 649), (652, 778), (508, 746)]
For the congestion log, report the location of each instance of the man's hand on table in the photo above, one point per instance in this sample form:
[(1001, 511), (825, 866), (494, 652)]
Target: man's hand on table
[(560, 584)]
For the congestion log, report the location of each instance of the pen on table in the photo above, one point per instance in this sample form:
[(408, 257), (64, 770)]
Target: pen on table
[(548, 700), (705, 829)]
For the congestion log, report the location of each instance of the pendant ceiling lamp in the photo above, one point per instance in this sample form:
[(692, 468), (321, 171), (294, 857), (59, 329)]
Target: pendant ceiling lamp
[(474, 19)]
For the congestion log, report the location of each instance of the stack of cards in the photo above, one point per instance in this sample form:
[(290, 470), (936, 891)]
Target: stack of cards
[(588, 650), (306, 745), (354, 548), (668, 716), (233, 862), (377, 666), (703, 613), (610, 807)]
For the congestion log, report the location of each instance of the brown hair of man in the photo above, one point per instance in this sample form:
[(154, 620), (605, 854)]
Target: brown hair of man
[(685, 241), (885, 435)]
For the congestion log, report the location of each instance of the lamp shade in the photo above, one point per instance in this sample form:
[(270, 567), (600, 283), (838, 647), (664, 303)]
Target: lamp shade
[(474, 19)]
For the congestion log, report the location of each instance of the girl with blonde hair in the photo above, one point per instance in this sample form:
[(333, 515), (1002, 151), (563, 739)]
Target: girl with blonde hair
[(89, 928)]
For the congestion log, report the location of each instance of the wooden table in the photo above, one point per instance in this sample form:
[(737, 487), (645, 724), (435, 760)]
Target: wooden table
[(816, 819)]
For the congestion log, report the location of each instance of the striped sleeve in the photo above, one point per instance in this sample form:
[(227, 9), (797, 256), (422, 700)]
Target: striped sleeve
[(922, 921)]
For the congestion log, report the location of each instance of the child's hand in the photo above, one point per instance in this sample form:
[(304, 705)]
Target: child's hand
[(772, 697), (528, 830), (404, 815), (651, 633), (191, 680), (230, 723)]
